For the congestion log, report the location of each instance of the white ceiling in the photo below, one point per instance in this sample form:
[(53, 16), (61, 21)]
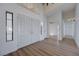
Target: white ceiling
[(68, 6), (50, 8), (64, 7)]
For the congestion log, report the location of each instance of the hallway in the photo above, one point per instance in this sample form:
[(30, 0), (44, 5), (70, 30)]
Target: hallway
[(27, 31)]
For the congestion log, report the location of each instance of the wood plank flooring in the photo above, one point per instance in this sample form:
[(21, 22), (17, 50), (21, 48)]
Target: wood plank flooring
[(48, 47)]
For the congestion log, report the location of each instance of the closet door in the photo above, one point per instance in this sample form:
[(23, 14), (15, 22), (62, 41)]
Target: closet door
[(36, 30), (24, 29)]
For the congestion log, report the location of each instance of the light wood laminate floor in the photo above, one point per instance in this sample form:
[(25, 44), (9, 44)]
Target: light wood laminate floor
[(48, 47)]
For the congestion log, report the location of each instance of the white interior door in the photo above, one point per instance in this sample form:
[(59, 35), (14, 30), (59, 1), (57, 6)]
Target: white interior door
[(69, 29), (27, 31), (36, 30), (52, 29)]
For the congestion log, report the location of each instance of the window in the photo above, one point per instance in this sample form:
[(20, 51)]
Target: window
[(9, 26)]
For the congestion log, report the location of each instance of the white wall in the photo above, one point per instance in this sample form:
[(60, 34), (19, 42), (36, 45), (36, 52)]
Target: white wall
[(7, 47), (77, 25)]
